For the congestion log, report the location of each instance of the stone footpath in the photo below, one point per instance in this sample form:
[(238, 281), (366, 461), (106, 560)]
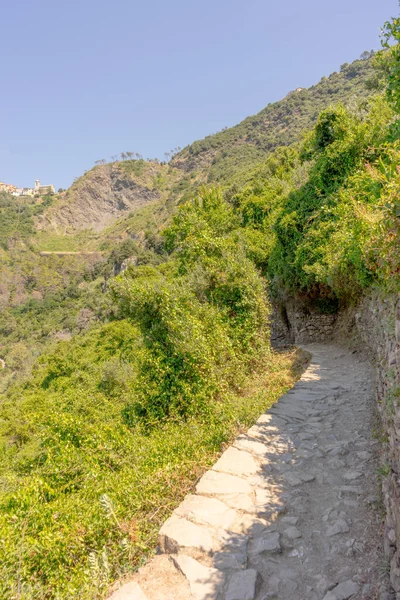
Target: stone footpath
[(289, 512)]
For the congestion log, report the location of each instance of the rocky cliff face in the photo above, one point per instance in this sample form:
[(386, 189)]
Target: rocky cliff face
[(106, 193)]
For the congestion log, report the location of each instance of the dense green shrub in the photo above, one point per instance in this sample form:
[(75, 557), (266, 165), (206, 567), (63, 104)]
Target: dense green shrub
[(200, 318), (185, 345), (325, 223)]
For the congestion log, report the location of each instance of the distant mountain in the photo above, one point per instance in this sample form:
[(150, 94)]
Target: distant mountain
[(108, 192), (281, 123)]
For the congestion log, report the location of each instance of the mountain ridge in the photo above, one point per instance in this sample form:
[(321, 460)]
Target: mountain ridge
[(285, 119), (105, 193), (93, 202)]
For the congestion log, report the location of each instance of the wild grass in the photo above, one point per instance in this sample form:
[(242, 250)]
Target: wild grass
[(84, 494)]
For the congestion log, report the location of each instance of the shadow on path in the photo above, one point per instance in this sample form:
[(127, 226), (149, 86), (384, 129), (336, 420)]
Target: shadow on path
[(286, 512)]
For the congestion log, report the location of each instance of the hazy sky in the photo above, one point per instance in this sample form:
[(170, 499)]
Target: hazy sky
[(88, 79)]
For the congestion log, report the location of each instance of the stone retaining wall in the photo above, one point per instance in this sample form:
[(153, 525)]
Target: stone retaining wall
[(295, 321), (377, 321)]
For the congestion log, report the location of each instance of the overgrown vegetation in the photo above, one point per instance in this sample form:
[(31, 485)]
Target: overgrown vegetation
[(16, 218), (170, 354), (322, 217), (86, 478)]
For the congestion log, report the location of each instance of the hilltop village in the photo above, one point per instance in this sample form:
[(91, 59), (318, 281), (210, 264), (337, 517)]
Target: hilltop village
[(38, 190)]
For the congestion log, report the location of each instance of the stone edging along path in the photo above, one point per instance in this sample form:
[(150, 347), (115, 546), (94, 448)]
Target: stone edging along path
[(287, 512)]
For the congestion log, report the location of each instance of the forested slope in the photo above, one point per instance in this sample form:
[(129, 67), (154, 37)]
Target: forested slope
[(281, 123)]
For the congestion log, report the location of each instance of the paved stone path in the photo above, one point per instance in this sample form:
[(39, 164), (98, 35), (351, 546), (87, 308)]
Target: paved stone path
[(289, 512)]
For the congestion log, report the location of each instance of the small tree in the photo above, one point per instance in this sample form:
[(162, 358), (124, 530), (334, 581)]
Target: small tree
[(390, 60), (365, 55)]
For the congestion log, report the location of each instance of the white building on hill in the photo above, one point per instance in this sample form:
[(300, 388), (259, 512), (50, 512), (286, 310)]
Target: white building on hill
[(44, 189), (40, 190)]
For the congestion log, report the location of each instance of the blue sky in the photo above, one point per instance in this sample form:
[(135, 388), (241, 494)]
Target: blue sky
[(88, 79)]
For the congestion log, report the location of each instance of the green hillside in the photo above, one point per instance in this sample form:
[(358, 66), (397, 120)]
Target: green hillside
[(169, 353), (282, 123), (111, 192)]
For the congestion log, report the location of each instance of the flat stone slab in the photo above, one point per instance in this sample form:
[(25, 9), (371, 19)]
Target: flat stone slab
[(292, 533), (215, 483), (243, 502), (229, 540), (263, 496), (264, 419), (343, 591), (177, 533), (339, 526), (352, 475), (205, 582), (226, 561), (287, 412), (203, 509), (236, 462), (289, 520), (257, 448), (250, 524), (242, 585), (267, 543)]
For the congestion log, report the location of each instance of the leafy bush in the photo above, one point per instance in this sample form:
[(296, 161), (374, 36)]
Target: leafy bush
[(327, 224), (200, 319), (84, 489), (184, 344)]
